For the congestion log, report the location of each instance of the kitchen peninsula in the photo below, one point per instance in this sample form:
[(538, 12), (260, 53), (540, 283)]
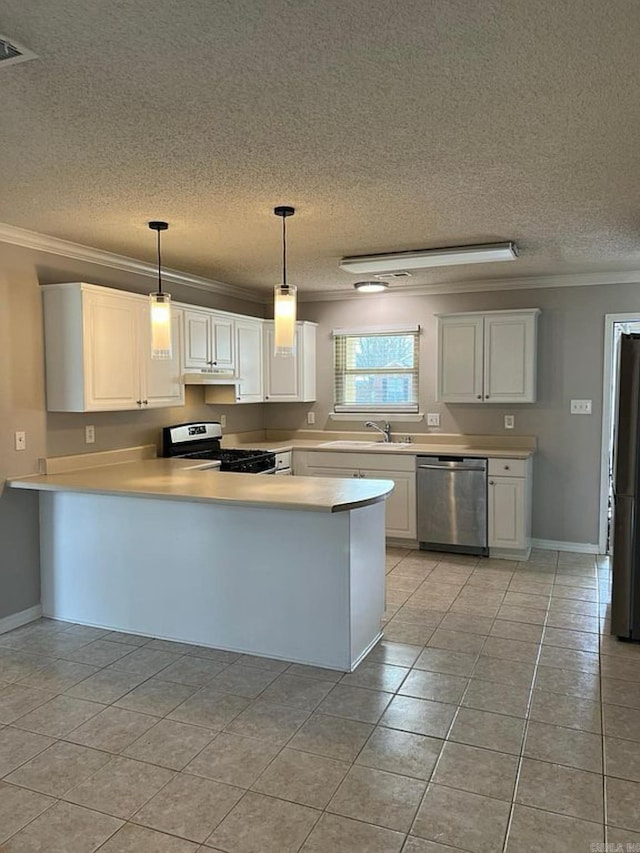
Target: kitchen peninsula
[(284, 567)]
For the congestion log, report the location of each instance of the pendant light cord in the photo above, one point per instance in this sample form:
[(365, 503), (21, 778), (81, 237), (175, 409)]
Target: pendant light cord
[(159, 266), (284, 250)]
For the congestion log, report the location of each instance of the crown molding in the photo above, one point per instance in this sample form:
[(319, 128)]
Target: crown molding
[(482, 285), (77, 252)]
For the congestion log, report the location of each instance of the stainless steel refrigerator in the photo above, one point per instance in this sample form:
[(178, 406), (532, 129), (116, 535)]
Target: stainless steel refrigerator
[(625, 598)]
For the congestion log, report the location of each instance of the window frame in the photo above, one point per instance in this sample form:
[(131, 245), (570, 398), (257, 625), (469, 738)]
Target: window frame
[(340, 371)]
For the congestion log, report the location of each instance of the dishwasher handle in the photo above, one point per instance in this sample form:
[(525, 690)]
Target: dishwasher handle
[(452, 470)]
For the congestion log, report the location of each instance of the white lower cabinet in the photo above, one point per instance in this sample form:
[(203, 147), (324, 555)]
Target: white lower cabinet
[(400, 510), (98, 352), (509, 507)]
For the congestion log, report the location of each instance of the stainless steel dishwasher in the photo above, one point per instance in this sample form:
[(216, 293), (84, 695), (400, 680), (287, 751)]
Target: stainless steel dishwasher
[(452, 504)]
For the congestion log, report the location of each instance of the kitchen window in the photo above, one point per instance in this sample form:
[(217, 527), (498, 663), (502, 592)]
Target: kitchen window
[(376, 370)]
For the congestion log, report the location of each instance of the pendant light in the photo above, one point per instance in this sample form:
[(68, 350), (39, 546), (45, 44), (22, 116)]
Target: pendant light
[(160, 309), (284, 304)]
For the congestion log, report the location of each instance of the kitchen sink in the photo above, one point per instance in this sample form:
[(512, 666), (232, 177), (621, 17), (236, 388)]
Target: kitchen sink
[(348, 444), (370, 445)]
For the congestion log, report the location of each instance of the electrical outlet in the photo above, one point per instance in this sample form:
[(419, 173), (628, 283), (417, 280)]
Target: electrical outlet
[(21, 440), (311, 417), (509, 421), (89, 435), (223, 421), (433, 419), (581, 407)]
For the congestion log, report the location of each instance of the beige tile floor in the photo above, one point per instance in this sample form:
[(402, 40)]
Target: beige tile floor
[(496, 715)]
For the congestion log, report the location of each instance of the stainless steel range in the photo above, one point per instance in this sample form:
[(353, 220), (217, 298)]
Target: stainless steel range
[(202, 441)]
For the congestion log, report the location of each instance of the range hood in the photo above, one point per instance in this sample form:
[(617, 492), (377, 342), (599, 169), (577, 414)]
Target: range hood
[(210, 377)]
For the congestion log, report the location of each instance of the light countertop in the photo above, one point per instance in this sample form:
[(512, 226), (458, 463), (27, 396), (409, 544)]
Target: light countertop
[(413, 449), (185, 480)]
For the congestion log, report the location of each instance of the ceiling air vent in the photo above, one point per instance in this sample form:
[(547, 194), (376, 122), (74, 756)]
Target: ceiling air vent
[(400, 274), (11, 52)]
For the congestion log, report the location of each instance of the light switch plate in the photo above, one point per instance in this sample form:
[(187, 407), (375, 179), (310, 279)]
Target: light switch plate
[(311, 417), (433, 419), (21, 440), (223, 421), (509, 421), (89, 434), (581, 407)]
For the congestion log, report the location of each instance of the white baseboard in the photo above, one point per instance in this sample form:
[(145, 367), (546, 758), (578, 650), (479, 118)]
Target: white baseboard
[(8, 623), (580, 547)]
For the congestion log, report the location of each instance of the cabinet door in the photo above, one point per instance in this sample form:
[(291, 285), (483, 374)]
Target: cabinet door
[(112, 347), (510, 357), (197, 340), (162, 378), (460, 343), (282, 374), (400, 509), (507, 527), (249, 360), (223, 344)]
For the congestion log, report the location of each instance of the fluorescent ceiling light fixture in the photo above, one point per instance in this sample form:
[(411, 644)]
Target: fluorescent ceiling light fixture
[(371, 286), (160, 309), (424, 258)]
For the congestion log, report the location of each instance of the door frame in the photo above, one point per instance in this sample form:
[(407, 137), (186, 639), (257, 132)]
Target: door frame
[(607, 416)]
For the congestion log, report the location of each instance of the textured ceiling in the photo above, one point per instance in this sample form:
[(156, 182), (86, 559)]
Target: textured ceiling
[(388, 125)]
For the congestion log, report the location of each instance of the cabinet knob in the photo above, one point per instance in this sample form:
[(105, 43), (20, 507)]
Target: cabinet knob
[(479, 396), (506, 467), (139, 402), (486, 397), (491, 483), (266, 397), (146, 402)]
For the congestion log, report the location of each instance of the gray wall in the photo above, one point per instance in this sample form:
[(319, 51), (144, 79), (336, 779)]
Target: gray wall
[(21, 408), (570, 365), (566, 468), (22, 404)]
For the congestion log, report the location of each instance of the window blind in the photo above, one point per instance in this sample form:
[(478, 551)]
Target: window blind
[(376, 371)]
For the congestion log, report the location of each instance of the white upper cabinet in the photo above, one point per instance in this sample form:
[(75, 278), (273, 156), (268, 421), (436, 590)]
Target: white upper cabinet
[(98, 355), (488, 357), (249, 357), (208, 341), (291, 378)]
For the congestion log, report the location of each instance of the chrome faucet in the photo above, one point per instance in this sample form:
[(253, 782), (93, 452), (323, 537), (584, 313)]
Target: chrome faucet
[(386, 430)]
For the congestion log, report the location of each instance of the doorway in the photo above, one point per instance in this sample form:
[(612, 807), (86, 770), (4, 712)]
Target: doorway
[(615, 326)]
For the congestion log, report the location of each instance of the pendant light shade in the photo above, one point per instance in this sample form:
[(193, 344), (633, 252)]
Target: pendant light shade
[(160, 309), (284, 303)]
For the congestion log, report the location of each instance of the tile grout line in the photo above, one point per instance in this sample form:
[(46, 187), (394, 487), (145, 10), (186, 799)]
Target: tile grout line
[(526, 727), (369, 687), (605, 831)]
